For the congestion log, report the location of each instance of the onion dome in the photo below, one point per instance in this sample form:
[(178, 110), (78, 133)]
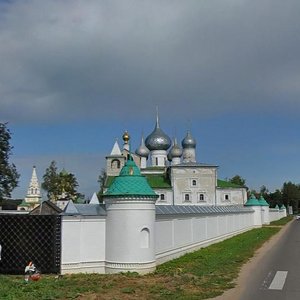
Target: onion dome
[(188, 141), (142, 150), (175, 151), (157, 140), (126, 137)]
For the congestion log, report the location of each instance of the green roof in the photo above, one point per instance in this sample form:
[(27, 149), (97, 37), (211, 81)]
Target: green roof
[(158, 181), (227, 184), (130, 183), (109, 180), (252, 201), (262, 201), (24, 203)]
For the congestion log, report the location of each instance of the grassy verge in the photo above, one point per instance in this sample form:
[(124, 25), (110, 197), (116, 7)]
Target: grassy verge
[(282, 221), (199, 275)]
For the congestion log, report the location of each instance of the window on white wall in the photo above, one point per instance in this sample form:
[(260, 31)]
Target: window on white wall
[(187, 198), (115, 164), (201, 197), (226, 197), (162, 197), (145, 238), (194, 182)]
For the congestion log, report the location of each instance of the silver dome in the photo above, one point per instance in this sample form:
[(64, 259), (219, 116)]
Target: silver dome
[(188, 141), (175, 151), (157, 140), (142, 150)]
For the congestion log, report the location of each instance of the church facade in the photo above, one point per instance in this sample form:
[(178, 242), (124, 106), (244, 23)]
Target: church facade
[(173, 171)]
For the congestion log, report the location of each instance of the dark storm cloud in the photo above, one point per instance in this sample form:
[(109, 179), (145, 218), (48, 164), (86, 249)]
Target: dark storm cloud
[(79, 59)]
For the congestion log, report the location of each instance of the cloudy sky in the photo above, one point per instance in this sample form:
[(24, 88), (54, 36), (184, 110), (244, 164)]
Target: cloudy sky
[(75, 74)]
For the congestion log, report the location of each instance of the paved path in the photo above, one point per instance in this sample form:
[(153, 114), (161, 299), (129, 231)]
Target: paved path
[(274, 271)]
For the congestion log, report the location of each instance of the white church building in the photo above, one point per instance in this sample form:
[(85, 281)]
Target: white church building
[(173, 172)]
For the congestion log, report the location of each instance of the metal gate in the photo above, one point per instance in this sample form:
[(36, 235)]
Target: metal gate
[(26, 238)]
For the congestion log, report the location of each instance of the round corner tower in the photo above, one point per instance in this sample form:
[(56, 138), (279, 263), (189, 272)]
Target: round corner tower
[(130, 222)]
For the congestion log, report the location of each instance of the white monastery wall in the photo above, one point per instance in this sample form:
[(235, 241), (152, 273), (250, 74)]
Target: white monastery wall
[(276, 214), (177, 235), (83, 244)]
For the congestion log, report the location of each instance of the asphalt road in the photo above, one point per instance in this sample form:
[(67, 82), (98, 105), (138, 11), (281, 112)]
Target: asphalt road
[(277, 275)]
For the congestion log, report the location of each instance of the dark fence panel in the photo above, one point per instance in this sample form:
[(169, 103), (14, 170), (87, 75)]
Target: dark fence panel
[(27, 238)]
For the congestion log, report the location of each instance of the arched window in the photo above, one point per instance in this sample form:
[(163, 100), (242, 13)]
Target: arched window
[(162, 196), (145, 238), (186, 197), (201, 197), (194, 182), (156, 161), (115, 164)]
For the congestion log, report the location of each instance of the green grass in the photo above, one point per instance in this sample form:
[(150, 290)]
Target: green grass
[(199, 275), (282, 221)]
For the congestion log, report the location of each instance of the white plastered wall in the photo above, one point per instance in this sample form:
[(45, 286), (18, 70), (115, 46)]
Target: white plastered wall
[(83, 244), (236, 196), (177, 235), (205, 178)]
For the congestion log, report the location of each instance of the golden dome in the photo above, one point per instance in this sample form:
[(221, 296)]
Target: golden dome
[(126, 136)]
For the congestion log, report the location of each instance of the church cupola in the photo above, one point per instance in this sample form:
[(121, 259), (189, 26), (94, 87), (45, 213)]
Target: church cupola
[(157, 139), (158, 143), (126, 138), (143, 152), (175, 153), (189, 148)]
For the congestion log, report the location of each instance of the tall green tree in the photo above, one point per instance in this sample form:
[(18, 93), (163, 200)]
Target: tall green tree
[(68, 185), (237, 179), (8, 173), (59, 184), (291, 195), (50, 182), (276, 198)]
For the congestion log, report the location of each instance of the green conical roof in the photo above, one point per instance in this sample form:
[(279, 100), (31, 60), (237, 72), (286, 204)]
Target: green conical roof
[(24, 203), (252, 201), (130, 183), (262, 201)]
